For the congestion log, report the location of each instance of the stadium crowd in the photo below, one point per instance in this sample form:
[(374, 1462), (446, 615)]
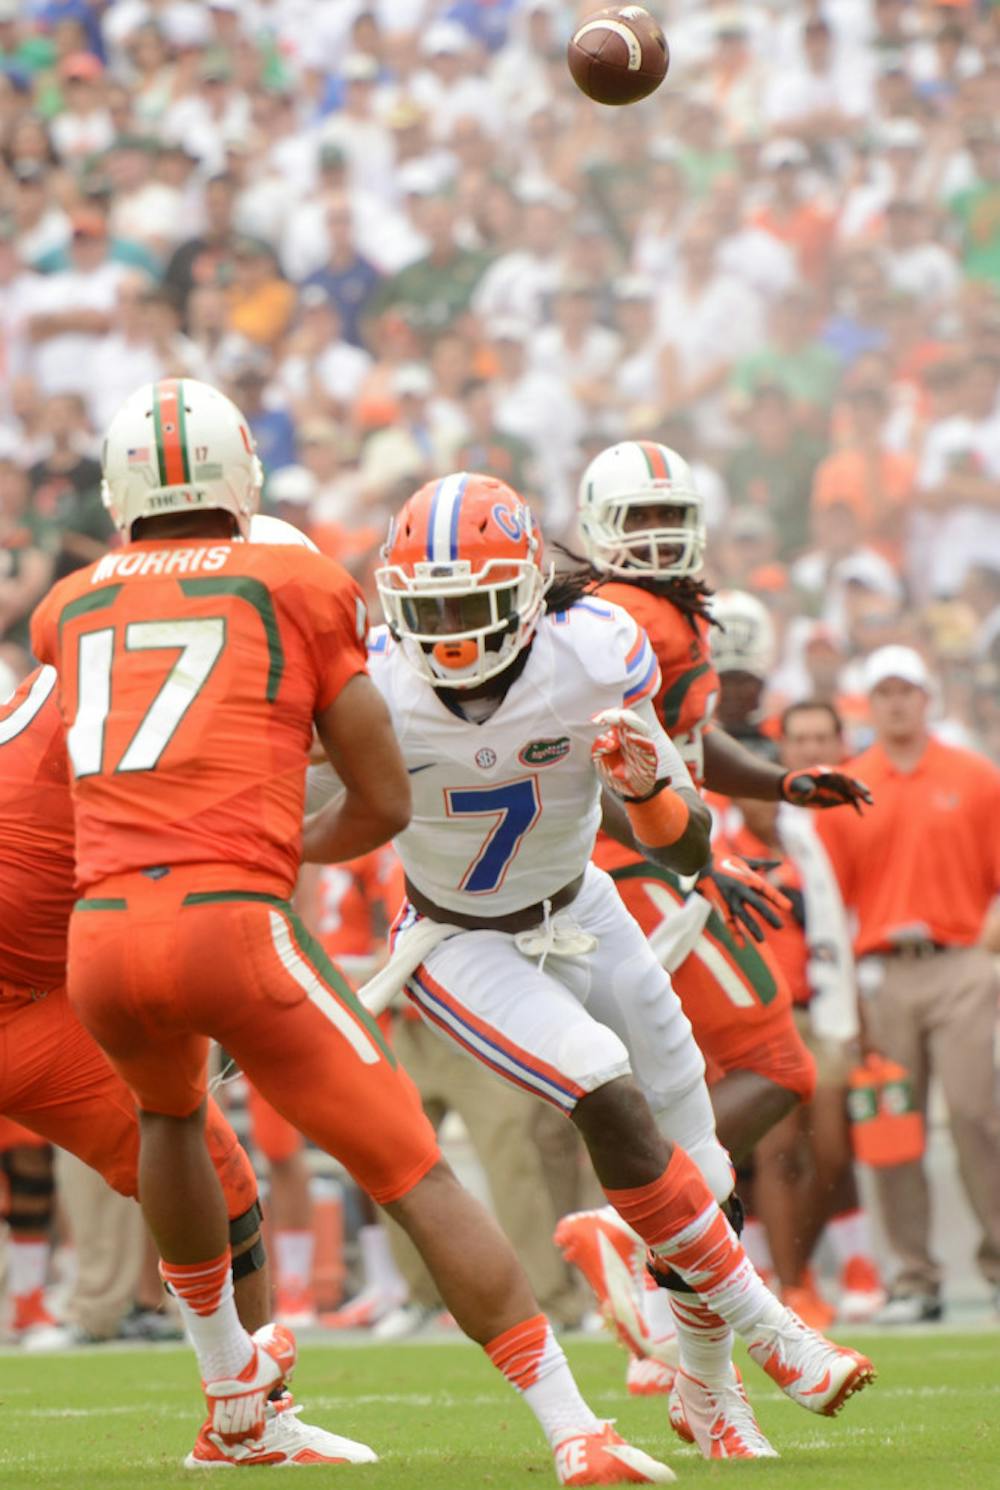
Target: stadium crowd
[(395, 233)]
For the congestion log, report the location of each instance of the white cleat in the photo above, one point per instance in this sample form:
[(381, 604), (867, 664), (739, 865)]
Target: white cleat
[(286, 1442), (646, 1377), (717, 1418), (811, 1370), (599, 1456)]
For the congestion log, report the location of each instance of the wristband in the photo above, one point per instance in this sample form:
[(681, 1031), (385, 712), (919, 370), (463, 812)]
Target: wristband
[(660, 820)]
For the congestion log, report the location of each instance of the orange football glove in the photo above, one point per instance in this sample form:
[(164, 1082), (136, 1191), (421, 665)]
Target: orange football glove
[(743, 898)]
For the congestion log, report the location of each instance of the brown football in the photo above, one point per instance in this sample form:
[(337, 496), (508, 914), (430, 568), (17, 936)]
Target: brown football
[(618, 55)]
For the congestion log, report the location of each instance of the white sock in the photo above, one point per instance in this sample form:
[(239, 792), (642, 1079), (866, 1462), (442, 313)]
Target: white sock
[(28, 1267), (756, 1245), (850, 1235), (533, 1362), (205, 1299), (294, 1256), (705, 1341), (377, 1263)]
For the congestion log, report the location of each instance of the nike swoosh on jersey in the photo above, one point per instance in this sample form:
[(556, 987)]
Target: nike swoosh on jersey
[(412, 770)]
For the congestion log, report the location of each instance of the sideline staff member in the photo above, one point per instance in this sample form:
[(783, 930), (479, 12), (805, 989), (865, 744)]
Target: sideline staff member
[(920, 870)]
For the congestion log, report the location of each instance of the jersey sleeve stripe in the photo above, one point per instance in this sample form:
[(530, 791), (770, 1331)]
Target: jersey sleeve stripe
[(637, 647), (645, 686)]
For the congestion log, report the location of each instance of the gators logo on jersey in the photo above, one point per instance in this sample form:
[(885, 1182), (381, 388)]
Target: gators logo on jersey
[(544, 752)]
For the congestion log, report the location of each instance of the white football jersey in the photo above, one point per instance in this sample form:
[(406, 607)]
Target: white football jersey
[(505, 812)]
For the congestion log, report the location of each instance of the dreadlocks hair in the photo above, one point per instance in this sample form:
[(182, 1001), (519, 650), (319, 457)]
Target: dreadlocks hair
[(690, 596)]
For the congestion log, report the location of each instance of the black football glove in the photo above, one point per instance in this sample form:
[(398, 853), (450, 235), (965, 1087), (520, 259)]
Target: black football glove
[(743, 897), (822, 786)]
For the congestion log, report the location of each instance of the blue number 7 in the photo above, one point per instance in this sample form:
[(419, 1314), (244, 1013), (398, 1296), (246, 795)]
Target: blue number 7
[(516, 807)]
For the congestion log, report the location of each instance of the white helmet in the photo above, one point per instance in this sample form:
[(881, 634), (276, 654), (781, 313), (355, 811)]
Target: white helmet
[(176, 445), (630, 476), (265, 529), (746, 642)]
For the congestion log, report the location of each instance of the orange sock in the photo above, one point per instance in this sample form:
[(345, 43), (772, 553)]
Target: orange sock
[(679, 1220), (199, 1284), (532, 1360)]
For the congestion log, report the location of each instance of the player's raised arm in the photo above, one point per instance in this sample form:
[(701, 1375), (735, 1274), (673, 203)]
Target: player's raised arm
[(640, 767), (360, 743)]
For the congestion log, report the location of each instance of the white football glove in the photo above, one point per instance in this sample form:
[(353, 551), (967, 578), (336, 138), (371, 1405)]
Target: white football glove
[(624, 753)]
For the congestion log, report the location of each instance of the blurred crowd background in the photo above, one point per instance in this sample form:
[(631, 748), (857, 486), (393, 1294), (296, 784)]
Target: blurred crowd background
[(404, 243), (400, 238)]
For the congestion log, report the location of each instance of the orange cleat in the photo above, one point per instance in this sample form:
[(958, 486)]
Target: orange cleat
[(610, 1257), (295, 1308), (601, 1457), (808, 1368), (30, 1312), (236, 1405), (647, 1377), (717, 1418), (862, 1292), (284, 1441)]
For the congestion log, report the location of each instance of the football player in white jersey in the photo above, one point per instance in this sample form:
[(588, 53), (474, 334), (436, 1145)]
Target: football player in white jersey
[(513, 707)]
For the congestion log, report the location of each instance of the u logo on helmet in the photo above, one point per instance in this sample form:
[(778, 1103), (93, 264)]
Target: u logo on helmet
[(514, 524)]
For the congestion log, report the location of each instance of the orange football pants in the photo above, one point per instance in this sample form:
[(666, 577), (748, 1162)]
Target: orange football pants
[(56, 1081), (160, 966), (743, 1021)]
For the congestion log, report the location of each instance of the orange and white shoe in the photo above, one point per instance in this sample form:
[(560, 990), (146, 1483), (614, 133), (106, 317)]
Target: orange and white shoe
[(648, 1377), (236, 1405), (718, 1419), (808, 1368), (610, 1257), (286, 1440), (30, 1313), (600, 1456), (862, 1292), (364, 1311), (805, 1300), (295, 1308)]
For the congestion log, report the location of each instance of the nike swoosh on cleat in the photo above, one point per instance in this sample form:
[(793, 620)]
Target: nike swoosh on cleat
[(820, 1387), (640, 1462)]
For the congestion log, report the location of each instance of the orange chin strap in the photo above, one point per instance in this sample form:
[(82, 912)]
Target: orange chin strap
[(455, 654), (661, 821)]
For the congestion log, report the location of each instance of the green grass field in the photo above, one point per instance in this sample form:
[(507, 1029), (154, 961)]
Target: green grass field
[(443, 1420)]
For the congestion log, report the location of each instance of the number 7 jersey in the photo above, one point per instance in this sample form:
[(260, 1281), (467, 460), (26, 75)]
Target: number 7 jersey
[(505, 812), (189, 675)]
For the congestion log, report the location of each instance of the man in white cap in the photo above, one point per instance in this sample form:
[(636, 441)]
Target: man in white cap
[(920, 871)]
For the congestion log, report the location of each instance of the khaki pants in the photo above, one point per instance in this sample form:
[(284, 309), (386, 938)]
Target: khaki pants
[(937, 1015), (110, 1240), (501, 1125)]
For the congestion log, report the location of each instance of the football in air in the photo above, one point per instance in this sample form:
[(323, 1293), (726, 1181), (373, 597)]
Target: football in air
[(618, 55)]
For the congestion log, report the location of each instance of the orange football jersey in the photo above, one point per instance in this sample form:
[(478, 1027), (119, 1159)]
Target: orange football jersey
[(36, 836), (689, 685), (190, 672)]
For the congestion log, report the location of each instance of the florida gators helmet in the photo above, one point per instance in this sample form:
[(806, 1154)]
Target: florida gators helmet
[(463, 583)]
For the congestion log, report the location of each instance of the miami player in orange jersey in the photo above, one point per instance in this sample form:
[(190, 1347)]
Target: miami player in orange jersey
[(54, 1078), (192, 671), (644, 535)]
